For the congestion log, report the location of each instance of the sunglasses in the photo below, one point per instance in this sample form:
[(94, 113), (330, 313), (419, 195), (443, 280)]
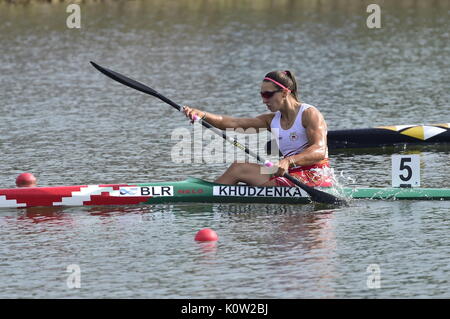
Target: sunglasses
[(268, 94)]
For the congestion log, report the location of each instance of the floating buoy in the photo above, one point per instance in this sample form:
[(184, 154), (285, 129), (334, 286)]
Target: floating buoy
[(206, 234), (26, 180)]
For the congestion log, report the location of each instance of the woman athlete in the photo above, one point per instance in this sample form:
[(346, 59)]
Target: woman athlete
[(300, 131)]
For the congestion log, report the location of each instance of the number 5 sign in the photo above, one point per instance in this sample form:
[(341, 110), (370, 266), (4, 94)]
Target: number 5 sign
[(405, 171)]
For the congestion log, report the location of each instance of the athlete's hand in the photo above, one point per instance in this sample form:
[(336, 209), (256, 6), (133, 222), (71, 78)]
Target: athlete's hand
[(192, 113), (283, 167)]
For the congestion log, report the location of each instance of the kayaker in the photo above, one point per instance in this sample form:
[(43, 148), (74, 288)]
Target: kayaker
[(26, 180), (299, 128)]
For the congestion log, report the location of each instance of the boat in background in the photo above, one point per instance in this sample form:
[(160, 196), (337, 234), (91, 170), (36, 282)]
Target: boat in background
[(389, 136), (192, 190), (383, 136)]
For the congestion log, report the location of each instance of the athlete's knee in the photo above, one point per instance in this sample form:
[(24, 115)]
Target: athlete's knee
[(236, 165), (239, 167)]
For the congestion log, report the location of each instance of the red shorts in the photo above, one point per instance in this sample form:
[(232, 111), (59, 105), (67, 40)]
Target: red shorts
[(316, 175)]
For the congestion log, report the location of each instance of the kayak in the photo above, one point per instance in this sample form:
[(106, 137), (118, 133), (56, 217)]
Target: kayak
[(389, 135), (382, 136), (193, 190)]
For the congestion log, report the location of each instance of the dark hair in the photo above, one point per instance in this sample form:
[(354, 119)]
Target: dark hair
[(287, 79)]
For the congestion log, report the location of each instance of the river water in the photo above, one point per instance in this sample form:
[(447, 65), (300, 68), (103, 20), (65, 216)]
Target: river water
[(69, 125)]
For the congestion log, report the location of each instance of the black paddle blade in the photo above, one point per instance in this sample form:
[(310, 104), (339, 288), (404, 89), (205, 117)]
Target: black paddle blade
[(125, 80), (317, 195), (134, 84), (327, 198)]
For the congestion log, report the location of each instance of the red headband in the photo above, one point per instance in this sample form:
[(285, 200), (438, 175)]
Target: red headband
[(277, 83)]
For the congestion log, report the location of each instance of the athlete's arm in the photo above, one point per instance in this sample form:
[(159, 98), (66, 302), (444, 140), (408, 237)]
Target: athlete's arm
[(224, 122)]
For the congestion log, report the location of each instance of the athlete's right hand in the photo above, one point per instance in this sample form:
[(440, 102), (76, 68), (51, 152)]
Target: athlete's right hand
[(283, 167)]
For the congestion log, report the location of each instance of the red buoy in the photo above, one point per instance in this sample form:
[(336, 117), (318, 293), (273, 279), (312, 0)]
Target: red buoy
[(206, 234), (26, 180)]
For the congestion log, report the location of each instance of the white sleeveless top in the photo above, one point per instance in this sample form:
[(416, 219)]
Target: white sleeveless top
[(293, 140)]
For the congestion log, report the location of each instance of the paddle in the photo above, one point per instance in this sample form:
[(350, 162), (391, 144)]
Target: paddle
[(316, 195)]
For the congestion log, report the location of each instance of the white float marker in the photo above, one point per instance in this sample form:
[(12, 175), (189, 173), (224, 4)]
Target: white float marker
[(405, 171)]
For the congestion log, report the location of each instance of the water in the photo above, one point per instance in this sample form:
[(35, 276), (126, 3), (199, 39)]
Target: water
[(68, 124)]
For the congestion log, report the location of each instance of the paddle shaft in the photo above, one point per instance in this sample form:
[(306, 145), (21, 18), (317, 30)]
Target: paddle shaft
[(316, 195)]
